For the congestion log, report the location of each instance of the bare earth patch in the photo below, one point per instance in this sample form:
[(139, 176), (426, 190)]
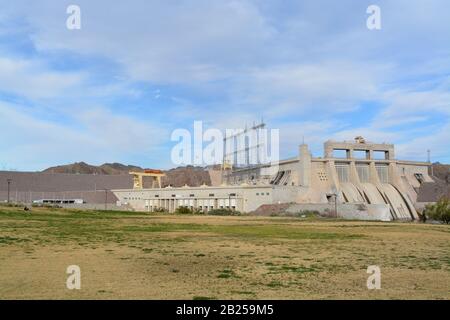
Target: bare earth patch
[(138, 256)]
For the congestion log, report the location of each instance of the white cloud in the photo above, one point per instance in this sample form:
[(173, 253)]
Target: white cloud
[(157, 41), (437, 141), (302, 65), (404, 103), (332, 86), (33, 80), (95, 136)]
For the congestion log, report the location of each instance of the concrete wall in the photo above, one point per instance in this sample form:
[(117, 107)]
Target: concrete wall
[(95, 206), (49, 182), (30, 196), (241, 198), (316, 180), (28, 186), (285, 194), (351, 211)]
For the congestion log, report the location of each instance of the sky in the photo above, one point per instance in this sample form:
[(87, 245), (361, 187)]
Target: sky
[(116, 89)]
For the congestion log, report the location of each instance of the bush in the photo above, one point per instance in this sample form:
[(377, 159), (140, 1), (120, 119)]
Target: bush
[(183, 210), (307, 213), (223, 212), (187, 210), (439, 211), (11, 205), (46, 206)]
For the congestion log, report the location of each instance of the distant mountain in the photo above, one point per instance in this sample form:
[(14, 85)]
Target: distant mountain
[(177, 177), (190, 175), (84, 168), (433, 191), (442, 172)]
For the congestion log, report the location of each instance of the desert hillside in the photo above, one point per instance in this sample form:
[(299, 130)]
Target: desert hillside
[(177, 177), (84, 168), (442, 172)]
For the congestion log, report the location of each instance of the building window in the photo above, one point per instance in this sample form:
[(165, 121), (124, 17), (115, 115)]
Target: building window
[(383, 173), (360, 154), (192, 195), (211, 194), (419, 177), (381, 155), (363, 172), (342, 172), (257, 193), (339, 154)]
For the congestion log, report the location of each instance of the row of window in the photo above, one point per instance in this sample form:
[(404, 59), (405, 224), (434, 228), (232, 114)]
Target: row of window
[(343, 172), (364, 173), (174, 196)]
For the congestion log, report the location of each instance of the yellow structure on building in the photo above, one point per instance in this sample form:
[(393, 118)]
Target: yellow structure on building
[(155, 175)]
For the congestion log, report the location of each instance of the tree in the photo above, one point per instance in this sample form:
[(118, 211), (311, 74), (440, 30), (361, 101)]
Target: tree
[(439, 211)]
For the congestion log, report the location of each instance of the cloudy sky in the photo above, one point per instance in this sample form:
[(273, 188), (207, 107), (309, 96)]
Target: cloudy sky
[(116, 89)]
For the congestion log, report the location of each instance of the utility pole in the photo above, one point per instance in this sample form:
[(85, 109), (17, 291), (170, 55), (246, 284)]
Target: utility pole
[(335, 204), (9, 185), (106, 199), (429, 161)]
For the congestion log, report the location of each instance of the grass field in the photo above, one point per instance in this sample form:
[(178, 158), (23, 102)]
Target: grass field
[(140, 256)]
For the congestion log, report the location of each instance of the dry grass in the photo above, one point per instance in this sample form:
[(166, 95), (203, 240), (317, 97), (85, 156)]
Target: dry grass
[(138, 256)]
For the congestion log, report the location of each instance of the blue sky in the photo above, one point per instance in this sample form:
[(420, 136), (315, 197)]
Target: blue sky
[(116, 89)]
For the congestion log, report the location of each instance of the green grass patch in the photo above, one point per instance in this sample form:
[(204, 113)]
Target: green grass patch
[(275, 284), (203, 298), (298, 269), (227, 273), (199, 255), (12, 240), (97, 225)]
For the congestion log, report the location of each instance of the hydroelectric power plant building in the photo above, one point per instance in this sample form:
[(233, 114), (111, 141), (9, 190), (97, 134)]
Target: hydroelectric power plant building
[(355, 180)]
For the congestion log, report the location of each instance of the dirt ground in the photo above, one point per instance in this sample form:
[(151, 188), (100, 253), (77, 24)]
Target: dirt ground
[(140, 256)]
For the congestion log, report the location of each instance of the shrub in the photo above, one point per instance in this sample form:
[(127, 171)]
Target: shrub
[(306, 213), (187, 210), (223, 212), (439, 211), (46, 206), (11, 205), (183, 210)]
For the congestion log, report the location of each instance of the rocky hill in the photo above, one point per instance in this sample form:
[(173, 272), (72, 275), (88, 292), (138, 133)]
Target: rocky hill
[(442, 172), (84, 168), (191, 176), (433, 191), (177, 177)]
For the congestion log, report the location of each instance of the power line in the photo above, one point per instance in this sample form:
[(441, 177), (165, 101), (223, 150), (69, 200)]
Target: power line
[(9, 184)]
